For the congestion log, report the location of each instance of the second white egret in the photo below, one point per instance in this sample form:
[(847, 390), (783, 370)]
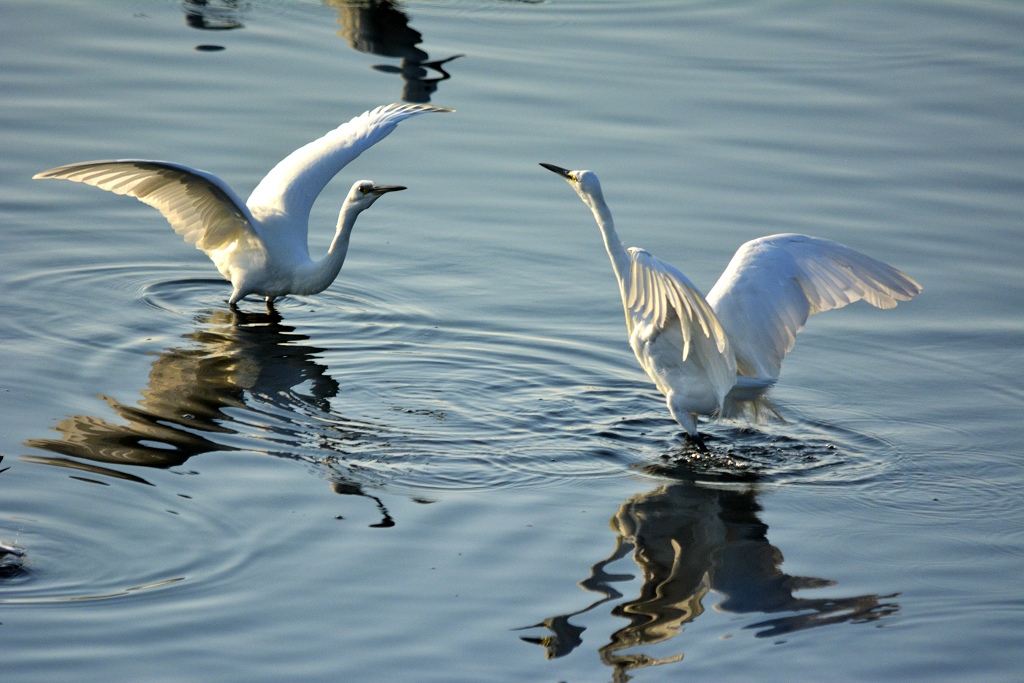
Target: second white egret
[(259, 245), (718, 355)]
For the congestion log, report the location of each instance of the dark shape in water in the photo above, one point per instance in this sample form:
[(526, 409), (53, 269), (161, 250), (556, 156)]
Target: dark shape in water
[(6, 550), (237, 362), (214, 16), (687, 539), (378, 27)]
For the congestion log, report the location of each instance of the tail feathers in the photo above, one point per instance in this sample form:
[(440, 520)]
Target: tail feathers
[(748, 400)]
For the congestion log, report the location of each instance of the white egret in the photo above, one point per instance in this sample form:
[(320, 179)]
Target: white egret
[(718, 355), (260, 245)]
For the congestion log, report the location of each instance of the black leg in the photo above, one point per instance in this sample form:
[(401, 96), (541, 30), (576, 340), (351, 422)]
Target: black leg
[(698, 441)]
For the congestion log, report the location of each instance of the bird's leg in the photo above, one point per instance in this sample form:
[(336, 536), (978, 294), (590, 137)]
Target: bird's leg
[(270, 304), (697, 440)]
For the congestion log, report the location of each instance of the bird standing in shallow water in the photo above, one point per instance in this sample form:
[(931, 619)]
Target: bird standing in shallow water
[(718, 355), (259, 245)]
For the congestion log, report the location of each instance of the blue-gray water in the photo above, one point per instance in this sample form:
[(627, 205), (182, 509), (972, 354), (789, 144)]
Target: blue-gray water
[(448, 466)]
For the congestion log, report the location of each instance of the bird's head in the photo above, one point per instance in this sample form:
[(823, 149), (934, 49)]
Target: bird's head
[(364, 193), (586, 184)]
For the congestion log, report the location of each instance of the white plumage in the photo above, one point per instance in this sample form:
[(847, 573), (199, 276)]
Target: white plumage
[(718, 355), (259, 245)]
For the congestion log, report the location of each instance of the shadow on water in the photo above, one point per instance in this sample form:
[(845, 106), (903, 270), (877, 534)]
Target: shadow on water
[(200, 396), (698, 533), (380, 27)]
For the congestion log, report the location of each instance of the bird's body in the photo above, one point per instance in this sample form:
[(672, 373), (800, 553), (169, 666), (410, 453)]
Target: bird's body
[(718, 355), (259, 245)]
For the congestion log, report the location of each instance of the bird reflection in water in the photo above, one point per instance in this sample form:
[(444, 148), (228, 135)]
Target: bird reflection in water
[(379, 27), (374, 27), (216, 15), (688, 539), (236, 364)]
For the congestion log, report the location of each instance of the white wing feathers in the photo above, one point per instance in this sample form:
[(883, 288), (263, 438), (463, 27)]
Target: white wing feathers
[(773, 284), (199, 206), (657, 290), (658, 296), (207, 213), (293, 185)]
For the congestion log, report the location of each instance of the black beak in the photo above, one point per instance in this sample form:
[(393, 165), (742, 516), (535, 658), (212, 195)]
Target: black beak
[(558, 169), (384, 189)]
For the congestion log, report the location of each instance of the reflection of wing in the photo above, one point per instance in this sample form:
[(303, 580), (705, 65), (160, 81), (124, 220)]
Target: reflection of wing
[(773, 284), (239, 375), (293, 185), (183, 408), (170, 425), (199, 206), (659, 298)]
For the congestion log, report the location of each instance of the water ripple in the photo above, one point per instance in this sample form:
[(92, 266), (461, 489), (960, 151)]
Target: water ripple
[(369, 389), (74, 561), (181, 295), (412, 403)]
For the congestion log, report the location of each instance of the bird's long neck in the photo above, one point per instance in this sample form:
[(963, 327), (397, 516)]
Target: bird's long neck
[(621, 261), (326, 270)]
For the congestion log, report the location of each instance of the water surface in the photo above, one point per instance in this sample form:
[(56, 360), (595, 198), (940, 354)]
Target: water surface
[(448, 466)]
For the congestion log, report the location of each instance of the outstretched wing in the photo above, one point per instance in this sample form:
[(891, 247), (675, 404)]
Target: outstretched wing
[(199, 206), (293, 185), (659, 296), (773, 284)]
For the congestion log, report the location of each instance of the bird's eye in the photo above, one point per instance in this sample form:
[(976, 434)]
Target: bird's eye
[(364, 189)]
